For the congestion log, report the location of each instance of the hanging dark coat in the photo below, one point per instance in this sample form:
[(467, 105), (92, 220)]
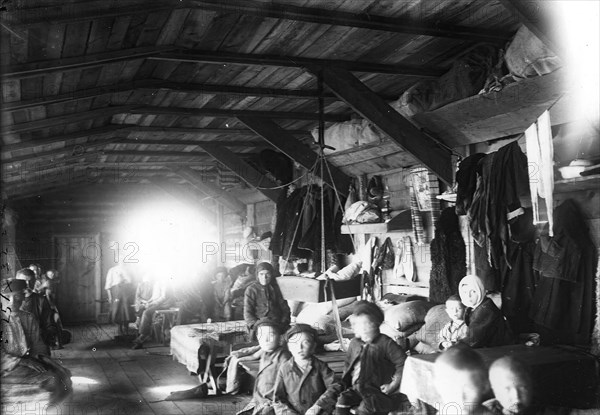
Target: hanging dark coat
[(565, 302), (448, 258)]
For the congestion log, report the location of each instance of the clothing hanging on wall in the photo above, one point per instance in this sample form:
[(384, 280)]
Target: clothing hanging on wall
[(564, 298), (448, 258)]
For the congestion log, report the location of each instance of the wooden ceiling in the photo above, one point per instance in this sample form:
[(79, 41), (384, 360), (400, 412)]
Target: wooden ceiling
[(140, 92)]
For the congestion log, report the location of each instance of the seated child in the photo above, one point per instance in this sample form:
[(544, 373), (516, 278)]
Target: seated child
[(460, 377), (272, 355), (513, 389), (456, 329), (305, 384), (373, 366)]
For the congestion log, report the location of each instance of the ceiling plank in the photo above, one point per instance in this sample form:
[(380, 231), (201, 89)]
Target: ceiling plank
[(339, 18), (197, 180), (297, 151), (403, 132), (231, 113), (245, 171), (74, 149), (185, 130), (26, 70), (79, 12), (199, 56), (145, 153)]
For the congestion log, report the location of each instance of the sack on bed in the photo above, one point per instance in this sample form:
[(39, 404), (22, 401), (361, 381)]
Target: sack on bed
[(403, 316), (435, 320)]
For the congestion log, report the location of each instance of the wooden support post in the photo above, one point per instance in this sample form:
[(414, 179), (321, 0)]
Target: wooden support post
[(364, 101), (297, 151)]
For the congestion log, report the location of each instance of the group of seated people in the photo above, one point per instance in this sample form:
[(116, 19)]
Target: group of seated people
[(31, 327)]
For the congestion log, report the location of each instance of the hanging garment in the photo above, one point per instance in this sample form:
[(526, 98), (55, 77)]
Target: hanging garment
[(540, 154), (448, 258), (566, 304), (466, 180)]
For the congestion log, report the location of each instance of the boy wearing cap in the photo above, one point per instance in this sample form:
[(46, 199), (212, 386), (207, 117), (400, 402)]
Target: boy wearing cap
[(272, 354), (305, 384), (373, 367), (263, 298)]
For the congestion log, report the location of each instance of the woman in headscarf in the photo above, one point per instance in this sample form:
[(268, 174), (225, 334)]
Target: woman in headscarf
[(263, 298), (487, 327)]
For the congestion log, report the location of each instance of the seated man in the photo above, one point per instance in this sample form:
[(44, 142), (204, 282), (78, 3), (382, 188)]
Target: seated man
[(143, 294), (243, 276), (161, 298), (28, 373), (263, 299), (47, 287)]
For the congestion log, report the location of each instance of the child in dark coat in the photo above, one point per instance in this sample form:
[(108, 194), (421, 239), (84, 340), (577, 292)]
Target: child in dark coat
[(373, 367), (272, 355), (305, 384)]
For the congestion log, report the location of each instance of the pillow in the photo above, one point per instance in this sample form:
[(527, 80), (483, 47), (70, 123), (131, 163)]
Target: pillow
[(403, 316)]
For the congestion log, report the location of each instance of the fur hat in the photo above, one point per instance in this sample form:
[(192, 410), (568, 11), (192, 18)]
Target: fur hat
[(269, 322), (369, 309)]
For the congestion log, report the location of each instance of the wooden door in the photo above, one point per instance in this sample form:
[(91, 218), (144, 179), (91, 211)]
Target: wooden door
[(77, 259)]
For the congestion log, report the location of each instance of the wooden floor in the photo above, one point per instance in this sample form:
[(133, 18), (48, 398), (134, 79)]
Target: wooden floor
[(110, 378)]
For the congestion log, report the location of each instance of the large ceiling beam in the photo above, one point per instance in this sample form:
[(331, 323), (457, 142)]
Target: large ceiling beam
[(65, 119), (183, 112), (199, 181), (536, 16), (26, 70), (383, 116), (79, 12), (245, 171), (133, 128), (231, 113), (200, 155), (73, 149), (158, 84), (297, 151), (41, 68), (61, 137), (340, 18), (196, 56)]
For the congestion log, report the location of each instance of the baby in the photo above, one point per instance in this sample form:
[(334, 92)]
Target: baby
[(272, 354), (456, 329), (305, 384)]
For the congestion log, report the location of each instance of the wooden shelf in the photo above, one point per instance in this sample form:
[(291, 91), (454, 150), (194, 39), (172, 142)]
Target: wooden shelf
[(577, 184)]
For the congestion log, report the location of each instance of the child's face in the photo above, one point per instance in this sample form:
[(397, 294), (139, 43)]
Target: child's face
[(50, 274), (455, 310), (364, 327), (220, 276), (268, 338), (301, 346), (458, 386), (511, 390)]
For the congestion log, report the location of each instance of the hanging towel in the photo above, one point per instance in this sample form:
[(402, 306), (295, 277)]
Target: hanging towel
[(540, 154)]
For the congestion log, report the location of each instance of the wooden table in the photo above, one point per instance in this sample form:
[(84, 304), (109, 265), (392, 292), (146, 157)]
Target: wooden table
[(564, 376)]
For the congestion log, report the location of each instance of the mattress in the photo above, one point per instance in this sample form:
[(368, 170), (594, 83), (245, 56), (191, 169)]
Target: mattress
[(186, 340)]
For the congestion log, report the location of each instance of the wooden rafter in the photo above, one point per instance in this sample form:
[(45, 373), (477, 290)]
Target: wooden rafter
[(296, 150), (66, 119), (170, 54), (199, 181), (231, 113), (184, 195), (245, 171), (382, 115), (297, 62)]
